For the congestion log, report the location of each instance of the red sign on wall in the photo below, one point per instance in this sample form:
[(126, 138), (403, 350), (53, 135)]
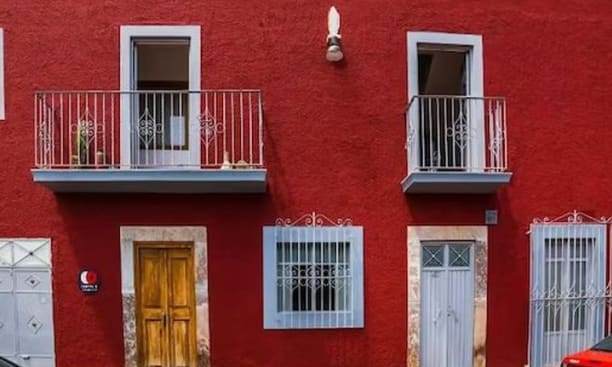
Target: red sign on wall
[(89, 281)]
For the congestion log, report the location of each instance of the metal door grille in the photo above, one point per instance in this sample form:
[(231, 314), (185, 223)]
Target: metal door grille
[(313, 274), (26, 320), (570, 293)]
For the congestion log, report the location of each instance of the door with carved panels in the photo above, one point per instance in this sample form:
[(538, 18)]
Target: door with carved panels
[(165, 305), (26, 307)]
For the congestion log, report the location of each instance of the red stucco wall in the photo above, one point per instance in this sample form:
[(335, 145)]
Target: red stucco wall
[(334, 144)]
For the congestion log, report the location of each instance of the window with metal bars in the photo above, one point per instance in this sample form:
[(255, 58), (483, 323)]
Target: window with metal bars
[(566, 278), (313, 277), (569, 294)]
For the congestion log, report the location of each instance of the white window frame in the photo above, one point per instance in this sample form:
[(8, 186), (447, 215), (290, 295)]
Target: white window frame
[(353, 318), (475, 85), (2, 93), (130, 32), (595, 322)]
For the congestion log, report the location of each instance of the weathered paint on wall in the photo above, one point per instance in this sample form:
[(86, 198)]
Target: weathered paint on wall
[(334, 140)]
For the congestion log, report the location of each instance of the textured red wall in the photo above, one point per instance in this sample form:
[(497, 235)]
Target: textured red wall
[(334, 144)]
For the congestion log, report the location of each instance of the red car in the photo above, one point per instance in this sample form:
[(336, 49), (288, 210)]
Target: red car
[(599, 355)]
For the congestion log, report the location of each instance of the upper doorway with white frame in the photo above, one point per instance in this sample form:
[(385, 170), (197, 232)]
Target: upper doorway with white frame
[(160, 70), (445, 91)]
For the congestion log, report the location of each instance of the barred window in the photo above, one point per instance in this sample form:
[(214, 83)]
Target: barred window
[(566, 278), (569, 298), (313, 277)]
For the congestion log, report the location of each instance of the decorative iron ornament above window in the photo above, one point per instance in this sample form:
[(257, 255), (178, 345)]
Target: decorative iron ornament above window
[(313, 273), (313, 220), (573, 217)]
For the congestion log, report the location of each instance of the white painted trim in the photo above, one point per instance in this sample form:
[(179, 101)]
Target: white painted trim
[(272, 318), (476, 83), (473, 42), (128, 33), (2, 92)]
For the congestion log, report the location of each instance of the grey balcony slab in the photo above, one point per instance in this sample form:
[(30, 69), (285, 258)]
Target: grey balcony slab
[(179, 181), (454, 182)]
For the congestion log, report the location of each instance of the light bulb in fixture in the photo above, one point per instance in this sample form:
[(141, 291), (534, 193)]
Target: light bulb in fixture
[(334, 46)]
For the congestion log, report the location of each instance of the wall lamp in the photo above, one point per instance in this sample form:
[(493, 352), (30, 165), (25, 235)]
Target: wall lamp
[(334, 46)]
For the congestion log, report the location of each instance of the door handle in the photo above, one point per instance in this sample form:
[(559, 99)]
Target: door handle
[(25, 357)]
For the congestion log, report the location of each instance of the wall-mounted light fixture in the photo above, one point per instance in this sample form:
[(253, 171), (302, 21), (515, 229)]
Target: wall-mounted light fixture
[(334, 47)]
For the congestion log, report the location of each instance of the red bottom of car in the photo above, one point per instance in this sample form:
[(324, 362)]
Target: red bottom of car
[(599, 355)]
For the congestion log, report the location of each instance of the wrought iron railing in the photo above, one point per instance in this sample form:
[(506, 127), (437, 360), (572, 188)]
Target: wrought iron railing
[(209, 129), (457, 133)]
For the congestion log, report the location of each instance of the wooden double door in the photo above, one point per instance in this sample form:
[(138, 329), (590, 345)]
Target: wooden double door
[(165, 305)]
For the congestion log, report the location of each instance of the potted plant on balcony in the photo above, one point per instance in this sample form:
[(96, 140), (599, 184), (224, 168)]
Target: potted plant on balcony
[(81, 147)]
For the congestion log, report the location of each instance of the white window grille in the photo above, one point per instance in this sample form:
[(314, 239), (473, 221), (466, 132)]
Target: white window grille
[(313, 274), (570, 293)]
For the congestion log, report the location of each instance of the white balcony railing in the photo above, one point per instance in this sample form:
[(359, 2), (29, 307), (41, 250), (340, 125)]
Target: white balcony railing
[(456, 134), (210, 129)]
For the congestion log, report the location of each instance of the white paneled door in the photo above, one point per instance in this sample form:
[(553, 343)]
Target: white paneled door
[(447, 305), (26, 319)]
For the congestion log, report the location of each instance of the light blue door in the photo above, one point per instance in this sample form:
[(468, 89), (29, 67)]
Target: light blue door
[(447, 305)]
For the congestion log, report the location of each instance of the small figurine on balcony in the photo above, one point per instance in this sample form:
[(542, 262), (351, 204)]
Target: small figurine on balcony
[(241, 164), (100, 159), (226, 162)]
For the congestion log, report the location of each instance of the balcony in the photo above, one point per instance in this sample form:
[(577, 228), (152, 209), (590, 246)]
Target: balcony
[(456, 144), (155, 141)]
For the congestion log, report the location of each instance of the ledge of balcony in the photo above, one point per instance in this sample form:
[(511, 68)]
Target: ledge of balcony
[(454, 182), (176, 181)]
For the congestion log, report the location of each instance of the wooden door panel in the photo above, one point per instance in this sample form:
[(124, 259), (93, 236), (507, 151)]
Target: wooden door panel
[(181, 307), (166, 306), (181, 282), (151, 286), (151, 305), (180, 335), (153, 343)]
